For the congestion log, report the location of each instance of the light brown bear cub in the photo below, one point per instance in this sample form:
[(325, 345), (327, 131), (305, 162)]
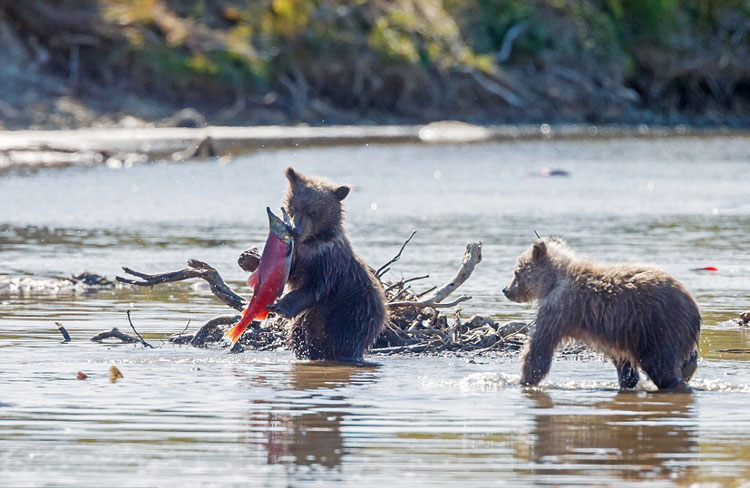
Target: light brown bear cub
[(637, 315), (337, 304)]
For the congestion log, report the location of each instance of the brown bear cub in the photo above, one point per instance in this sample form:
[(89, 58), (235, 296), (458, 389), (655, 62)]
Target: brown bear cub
[(637, 315), (337, 304)]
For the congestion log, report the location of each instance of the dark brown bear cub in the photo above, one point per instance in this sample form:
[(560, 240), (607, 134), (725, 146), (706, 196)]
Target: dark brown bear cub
[(337, 304), (636, 314)]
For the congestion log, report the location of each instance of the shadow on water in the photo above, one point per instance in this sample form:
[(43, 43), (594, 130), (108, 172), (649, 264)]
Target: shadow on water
[(633, 436), (303, 433)]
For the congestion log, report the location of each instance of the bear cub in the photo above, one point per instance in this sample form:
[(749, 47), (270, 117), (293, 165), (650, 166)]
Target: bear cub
[(337, 305), (637, 315)]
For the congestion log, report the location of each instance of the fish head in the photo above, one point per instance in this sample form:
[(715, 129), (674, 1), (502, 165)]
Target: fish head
[(279, 228)]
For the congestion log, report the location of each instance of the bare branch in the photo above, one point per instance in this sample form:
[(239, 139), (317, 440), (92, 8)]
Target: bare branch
[(417, 278), (143, 341), (382, 270), (429, 303), (196, 269), (66, 336), (426, 291)]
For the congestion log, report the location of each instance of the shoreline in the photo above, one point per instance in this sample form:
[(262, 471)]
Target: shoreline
[(22, 150)]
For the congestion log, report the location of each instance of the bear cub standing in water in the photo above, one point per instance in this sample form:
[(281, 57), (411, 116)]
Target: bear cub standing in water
[(637, 315), (338, 306)]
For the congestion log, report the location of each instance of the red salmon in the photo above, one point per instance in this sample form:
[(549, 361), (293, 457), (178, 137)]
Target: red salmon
[(269, 279)]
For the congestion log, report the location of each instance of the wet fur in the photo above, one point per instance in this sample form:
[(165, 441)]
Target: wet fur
[(338, 305), (636, 314)]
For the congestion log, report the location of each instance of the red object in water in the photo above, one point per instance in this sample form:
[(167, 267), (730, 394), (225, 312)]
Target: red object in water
[(707, 268)]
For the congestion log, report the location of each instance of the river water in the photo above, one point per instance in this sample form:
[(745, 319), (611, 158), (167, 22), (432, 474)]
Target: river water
[(193, 417)]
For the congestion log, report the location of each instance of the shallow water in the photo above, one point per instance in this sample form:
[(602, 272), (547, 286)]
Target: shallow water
[(184, 416)]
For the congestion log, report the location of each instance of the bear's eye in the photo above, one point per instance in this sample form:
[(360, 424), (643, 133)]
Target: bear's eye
[(313, 214)]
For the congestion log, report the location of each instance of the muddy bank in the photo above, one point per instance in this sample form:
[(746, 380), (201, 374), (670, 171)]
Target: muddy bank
[(121, 147)]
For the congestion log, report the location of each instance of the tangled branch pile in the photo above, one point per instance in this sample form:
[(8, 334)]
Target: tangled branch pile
[(417, 323)]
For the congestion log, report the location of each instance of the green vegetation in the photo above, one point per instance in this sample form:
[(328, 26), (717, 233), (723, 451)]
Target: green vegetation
[(423, 59)]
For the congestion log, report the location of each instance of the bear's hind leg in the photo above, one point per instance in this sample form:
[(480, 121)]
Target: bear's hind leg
[(627, 375), (665, 376)]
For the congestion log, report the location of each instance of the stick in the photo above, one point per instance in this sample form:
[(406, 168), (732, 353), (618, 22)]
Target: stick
[(382, 270), (66, 336), (426, 291), (186, 327), (196, 269), (403, 290), (143, 341), (429, 303), (398, 349), (417, 278)]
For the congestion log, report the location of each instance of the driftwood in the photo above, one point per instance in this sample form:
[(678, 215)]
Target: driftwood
[(63, 331), (472, 257), (115, 333), (196, 269)]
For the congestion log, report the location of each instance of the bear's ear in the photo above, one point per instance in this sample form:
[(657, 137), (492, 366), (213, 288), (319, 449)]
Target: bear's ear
[(292, 175), (539, 251), (341, 192)]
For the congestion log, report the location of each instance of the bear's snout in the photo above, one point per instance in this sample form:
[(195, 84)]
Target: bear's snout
[(510, 293)]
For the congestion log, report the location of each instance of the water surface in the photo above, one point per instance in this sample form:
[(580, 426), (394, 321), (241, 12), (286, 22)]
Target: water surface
[(184, 416)]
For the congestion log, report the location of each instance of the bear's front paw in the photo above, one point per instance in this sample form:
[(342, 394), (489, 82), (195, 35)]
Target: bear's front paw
[(279, 309)]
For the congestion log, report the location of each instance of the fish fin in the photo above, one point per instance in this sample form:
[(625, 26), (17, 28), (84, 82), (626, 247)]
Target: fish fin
[(235, 332), (253, 280)]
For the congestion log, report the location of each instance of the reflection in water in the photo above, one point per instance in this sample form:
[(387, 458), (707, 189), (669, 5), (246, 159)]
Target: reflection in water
[(305, 431), (633, 436)]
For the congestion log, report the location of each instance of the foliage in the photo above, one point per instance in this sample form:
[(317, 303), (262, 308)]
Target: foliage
[(399, 54)]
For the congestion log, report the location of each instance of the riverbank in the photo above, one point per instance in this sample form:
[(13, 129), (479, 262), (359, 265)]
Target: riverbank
[(28, 150), (104, 63)]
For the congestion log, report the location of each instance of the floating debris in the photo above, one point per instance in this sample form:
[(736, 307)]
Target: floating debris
[(66, 336), (706, 268), (82, 376), (114, 374)]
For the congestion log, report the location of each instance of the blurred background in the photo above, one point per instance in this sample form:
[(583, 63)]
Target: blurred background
[(83, 63)]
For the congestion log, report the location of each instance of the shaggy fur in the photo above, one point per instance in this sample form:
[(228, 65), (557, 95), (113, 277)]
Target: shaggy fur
[(338, 306), (636, 314)]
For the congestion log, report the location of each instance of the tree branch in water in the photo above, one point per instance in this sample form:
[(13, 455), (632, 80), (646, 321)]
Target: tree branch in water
[(116, 334), (384, 269), (196, 269)]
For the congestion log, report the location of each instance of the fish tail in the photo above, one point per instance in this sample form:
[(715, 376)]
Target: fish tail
[(235, 332)]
